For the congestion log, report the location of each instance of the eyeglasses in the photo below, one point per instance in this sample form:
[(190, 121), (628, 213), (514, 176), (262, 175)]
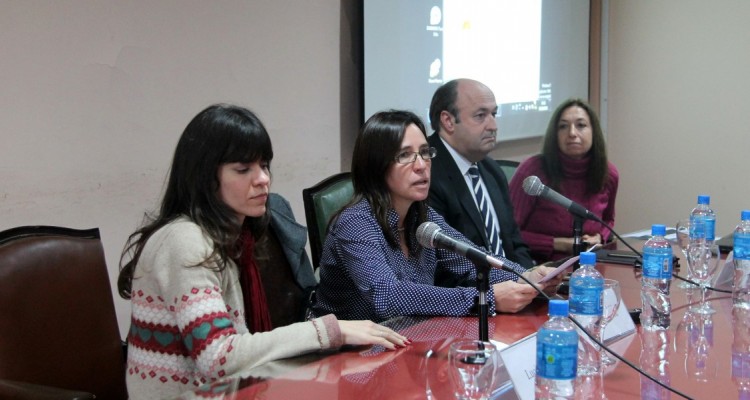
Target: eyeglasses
[(408, 157)]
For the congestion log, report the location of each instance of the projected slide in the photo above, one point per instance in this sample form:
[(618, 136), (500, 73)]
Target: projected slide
[(533, 54), (486, 37)]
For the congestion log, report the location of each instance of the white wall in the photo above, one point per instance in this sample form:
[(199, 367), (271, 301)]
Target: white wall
[(678, 109), (94, 95)]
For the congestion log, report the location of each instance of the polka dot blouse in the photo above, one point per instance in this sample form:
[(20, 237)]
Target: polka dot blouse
[(364, 277)]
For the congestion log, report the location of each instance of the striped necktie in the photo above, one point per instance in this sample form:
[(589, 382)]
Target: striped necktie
[(483, 200)]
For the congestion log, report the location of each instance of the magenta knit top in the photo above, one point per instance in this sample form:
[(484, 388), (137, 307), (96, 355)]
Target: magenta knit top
[(540, 221)]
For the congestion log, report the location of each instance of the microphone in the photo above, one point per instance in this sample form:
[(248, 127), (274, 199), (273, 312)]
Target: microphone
[(431, 236), (533, 186)]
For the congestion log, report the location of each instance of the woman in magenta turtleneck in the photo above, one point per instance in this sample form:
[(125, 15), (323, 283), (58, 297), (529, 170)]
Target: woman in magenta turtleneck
[(574, 163)]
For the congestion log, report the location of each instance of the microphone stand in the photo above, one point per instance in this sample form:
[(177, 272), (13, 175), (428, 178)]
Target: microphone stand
[(483, 286), (578, 245)]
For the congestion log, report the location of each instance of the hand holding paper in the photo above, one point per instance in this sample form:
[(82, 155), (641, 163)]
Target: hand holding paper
[(562, 267), (559, 270)]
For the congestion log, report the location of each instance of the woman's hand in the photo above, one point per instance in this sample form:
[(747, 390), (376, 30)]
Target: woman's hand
[(368, 332), (593, 239), (565, 244)]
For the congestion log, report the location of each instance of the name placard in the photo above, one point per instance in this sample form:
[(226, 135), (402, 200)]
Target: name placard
[(620, 326), (520, 361)]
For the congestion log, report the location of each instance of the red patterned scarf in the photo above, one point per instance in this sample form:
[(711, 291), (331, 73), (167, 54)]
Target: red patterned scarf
[(256, 307)]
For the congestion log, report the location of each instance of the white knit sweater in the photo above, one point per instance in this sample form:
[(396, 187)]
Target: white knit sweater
[(188, 323)]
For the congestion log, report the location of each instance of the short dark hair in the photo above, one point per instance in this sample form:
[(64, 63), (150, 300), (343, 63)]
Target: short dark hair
[(375, 150), (444, 99), (219, 134), (598, 172)]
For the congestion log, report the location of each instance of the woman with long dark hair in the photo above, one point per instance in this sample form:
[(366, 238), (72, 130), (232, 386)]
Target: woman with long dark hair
[(198, 309), (574, 163), (372, 266)]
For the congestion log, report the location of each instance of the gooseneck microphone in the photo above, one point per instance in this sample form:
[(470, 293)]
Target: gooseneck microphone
[(431, 236), (533, 186)]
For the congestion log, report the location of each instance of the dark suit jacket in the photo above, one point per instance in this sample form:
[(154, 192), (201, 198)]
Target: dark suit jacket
[(451, 198), (292, 237)]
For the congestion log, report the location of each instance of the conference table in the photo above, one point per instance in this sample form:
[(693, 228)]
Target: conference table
[(694, 356)]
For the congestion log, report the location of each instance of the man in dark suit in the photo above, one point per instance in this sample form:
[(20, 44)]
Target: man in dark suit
[(462, 115), (471, 191)]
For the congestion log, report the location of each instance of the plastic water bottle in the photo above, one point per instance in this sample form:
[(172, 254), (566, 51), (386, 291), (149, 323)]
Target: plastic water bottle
[(556, 354), (704, 213), (657, 274), (741, 288), (586, 286), (657, 260)]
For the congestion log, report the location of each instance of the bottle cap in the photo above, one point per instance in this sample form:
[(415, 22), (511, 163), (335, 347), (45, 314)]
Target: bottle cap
[(587, 258), (658, 230), (745, 215), (558, 308), (704, 199)]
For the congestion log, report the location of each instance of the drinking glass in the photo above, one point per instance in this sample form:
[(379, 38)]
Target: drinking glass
[(682, 237), (473, 364), (611, 299), (703, 260)]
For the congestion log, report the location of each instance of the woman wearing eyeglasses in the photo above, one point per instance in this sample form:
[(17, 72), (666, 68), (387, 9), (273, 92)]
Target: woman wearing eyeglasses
[(372, 266)]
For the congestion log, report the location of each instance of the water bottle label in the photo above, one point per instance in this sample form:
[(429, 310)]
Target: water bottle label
[(741, 246), (559, 359), (695, 231), (708, 231), (657, 264), (586, 300)]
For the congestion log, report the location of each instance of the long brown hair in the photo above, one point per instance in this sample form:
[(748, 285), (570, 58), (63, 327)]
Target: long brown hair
[(374, 153), (598, 172), (218, 135)]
